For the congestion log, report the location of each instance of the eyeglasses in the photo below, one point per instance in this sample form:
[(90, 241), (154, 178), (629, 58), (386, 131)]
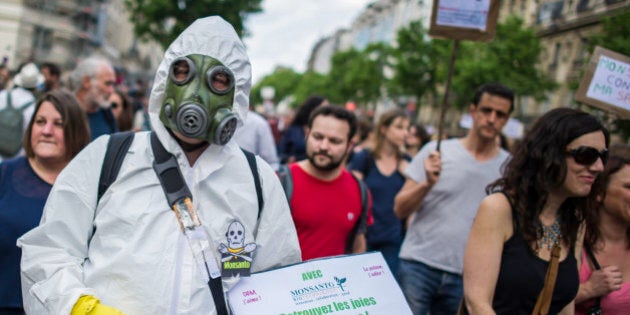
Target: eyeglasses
[(114, 105), (588, 155)]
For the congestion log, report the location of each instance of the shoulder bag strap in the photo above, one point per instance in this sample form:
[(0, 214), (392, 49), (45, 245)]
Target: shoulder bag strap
[(286, 179), (117, 147), (9, 103), (591, 256), (175, 189), (544, 298), (253, 166), (363, 189)]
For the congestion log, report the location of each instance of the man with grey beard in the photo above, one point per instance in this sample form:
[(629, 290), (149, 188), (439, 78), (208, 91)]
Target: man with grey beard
[(326, 201), (93, 82)]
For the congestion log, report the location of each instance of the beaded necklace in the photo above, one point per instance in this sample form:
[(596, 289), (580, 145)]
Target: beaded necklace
[(550, 235)]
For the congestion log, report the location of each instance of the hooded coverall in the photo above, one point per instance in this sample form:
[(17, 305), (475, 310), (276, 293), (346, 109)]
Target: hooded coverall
[(128, 250)]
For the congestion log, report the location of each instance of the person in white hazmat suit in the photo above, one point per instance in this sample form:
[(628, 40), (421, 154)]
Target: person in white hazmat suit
[(127, 253)]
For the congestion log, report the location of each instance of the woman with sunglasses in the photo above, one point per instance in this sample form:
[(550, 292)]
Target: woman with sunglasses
[(538, 204), (605, 269), (122, 110)]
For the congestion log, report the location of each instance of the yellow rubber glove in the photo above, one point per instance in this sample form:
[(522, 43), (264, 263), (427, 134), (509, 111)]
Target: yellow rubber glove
[(89, 305)]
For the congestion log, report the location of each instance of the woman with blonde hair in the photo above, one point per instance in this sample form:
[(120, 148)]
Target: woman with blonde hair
[(381, 169)]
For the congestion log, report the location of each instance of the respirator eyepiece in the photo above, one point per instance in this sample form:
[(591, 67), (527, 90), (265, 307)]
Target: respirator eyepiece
[(220, 80), (182, 71)]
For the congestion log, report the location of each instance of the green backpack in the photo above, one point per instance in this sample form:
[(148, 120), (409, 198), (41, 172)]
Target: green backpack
[(11, 127)]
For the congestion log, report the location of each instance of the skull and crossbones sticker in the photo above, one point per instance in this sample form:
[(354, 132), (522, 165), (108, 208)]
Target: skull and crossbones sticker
[(236, 256)]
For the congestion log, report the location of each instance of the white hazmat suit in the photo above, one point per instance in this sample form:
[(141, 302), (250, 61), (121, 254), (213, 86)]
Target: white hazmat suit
[(129, 250)]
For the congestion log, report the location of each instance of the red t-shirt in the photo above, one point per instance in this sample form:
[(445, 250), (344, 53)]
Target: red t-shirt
[(324, 212)]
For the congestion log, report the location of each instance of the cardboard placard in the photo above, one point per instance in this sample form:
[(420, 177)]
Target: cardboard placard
[(464, 19), (606, 83), (352, 284)]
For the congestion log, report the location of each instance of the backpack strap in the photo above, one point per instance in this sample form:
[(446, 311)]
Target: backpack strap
[(362, 222), (253, 166), (9, 103), (175, 189), (21, 107), (286, 179), (25, 105), (117, 148)]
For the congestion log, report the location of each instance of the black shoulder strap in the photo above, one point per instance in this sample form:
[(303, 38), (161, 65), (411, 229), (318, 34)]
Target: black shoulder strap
[(364, 200), (591, 256), (286, 179), (362, 222), (253, 166), (515, 217), (117, 148), (165, 165), (369, 162), (169, 174), (173, 184)]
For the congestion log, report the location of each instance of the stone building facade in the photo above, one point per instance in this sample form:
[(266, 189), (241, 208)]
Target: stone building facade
[(562, 25), (64, 31)]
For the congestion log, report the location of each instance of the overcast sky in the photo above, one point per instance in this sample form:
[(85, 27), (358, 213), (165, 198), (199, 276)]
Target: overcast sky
[(286, 31)]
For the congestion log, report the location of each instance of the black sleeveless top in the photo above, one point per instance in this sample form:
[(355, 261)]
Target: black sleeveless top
[(522, 276)]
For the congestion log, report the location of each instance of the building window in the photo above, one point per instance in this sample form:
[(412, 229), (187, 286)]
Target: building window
[(550, 11), (42, 39), (582, 6), (556, 56)]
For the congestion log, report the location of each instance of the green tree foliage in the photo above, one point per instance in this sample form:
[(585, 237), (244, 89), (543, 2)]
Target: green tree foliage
[(164, 20), (510, 58), (358, 75), (615, 36), (284, 80), (312, 83), (418, 65)]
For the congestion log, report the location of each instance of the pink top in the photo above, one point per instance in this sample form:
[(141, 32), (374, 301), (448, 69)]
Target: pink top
[(615, 303)]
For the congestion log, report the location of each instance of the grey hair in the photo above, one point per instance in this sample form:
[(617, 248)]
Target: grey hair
[(88, 67)]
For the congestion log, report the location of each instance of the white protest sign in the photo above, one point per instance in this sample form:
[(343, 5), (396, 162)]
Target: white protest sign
[(354, 284), (464, 19), (606, 83), (463, 13)]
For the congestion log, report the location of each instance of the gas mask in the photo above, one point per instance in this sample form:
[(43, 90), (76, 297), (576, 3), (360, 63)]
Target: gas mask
[(198, 99)]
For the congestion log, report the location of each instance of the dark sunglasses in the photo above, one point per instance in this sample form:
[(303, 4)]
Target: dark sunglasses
[(588, 155), (114, 105)]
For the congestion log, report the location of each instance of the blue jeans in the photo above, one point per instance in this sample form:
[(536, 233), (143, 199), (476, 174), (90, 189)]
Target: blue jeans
[(428, 289)]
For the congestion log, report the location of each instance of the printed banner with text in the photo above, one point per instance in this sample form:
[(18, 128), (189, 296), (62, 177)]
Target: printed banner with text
[(359, 284)]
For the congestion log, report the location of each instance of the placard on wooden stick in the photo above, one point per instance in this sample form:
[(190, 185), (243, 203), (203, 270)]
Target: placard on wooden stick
[(464, 19), (606, 83)]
